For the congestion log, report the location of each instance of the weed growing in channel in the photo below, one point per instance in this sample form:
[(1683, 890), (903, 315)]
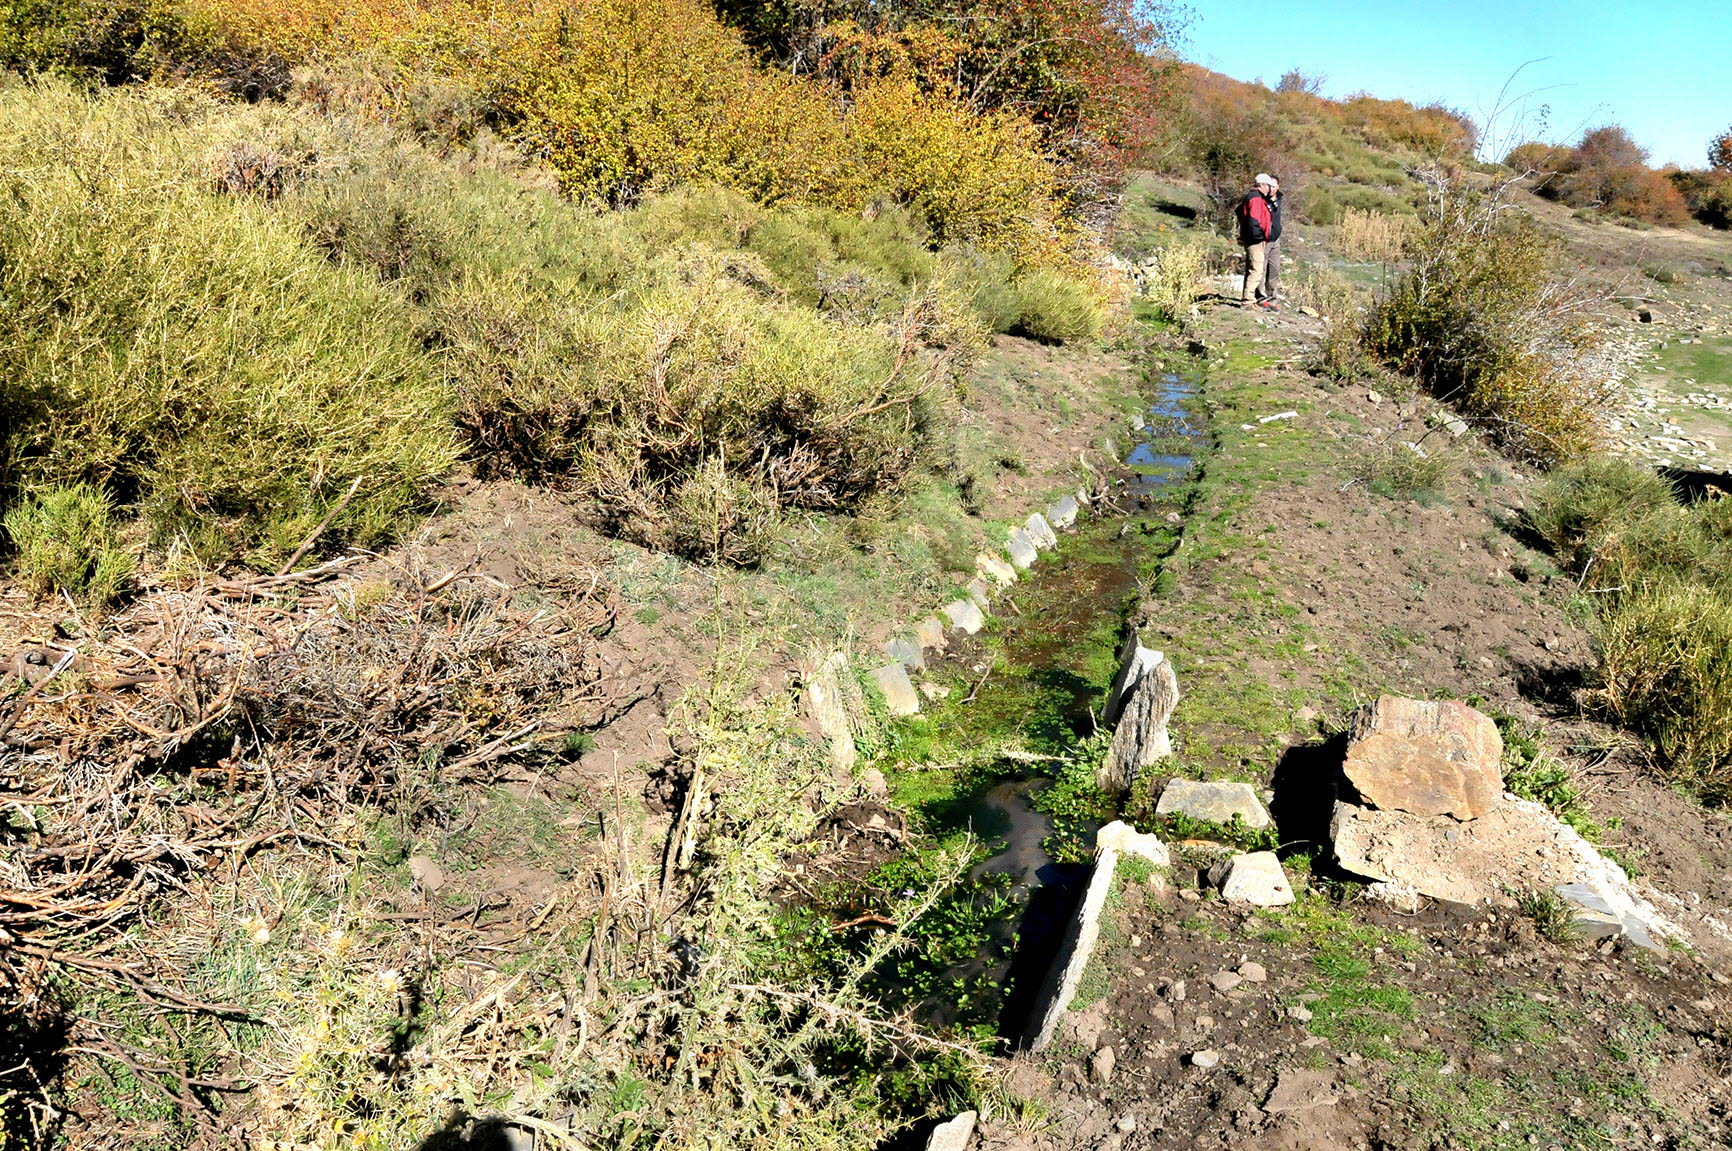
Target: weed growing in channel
[(1405, 471)]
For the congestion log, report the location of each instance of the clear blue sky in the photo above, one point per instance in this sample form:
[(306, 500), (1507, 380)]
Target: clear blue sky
[(1662, 69)]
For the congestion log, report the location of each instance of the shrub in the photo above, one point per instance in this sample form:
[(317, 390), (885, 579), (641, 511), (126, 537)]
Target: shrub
[(1707, 195), (1484, 322), (1372, 236), (67, 540), (1583, 504), (1171, 288), (1054, 307), (222, 378), (1667, 663)]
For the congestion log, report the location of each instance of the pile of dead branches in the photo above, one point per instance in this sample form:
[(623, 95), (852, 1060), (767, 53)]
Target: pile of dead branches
[(216, 718)]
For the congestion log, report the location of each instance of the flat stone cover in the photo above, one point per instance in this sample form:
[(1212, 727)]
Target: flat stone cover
[(1215, 802), (1517, 846)]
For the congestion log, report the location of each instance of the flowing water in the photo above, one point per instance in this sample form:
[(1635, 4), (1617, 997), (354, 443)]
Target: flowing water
[(1074, 614)]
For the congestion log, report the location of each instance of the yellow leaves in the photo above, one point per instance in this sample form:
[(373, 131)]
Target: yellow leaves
[(626, 98)]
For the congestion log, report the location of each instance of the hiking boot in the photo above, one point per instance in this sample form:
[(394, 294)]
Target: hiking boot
[(1269, 305)]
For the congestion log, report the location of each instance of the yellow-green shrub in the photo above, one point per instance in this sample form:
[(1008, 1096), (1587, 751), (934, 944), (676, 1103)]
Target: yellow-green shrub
[(1483, 319), (185, 350), (67, 540)]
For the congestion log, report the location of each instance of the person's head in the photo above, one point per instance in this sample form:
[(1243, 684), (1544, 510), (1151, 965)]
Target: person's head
[(1265, 182)]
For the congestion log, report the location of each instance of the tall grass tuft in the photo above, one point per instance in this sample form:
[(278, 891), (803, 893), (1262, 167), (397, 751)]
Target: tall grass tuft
[(67, 540), (1667, 655), (1371, 235), (1662, 574)]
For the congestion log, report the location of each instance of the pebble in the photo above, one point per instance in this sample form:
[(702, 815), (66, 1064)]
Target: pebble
[(1253, 972), (1299, 1013), (1225, 981), (1126, 1123), (1101, 1065), (1176, 991), (1205, 1059)]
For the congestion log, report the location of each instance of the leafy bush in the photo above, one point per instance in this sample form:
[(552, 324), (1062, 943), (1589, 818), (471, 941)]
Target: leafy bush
[(1605, 171), (1483, 321), (67, 540), (1708, 195)]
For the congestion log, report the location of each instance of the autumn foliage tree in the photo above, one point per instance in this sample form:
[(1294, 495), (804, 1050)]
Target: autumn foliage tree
[(1607, 171), (1720, 150), (1087, 73)]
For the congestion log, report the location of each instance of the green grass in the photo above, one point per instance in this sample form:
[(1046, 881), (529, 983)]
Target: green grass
[(1707, 361)]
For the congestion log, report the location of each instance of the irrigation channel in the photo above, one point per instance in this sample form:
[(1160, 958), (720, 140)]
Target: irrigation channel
[(1039, 679)]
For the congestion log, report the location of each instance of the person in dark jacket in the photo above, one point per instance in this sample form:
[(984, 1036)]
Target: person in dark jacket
[(1259, 226), (1272, 264)]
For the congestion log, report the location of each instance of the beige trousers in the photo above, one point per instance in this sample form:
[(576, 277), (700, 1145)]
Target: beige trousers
[(1256, 267)]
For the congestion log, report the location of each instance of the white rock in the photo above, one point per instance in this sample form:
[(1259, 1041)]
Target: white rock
[(953, 1135), (1041, 532), (992, 568), (965, 615), (1256, 878), (1121, 837)]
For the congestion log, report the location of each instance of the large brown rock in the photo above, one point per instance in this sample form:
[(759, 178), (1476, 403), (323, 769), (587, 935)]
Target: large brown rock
[(1426, 757)]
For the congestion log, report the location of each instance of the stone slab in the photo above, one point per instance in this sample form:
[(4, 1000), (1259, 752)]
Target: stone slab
[(1215, 802), (930, 633), (1517, 846), (1041, 532), (1135, 661), (1020, 548), (1112, 842), (1427, 757), (980, 593), (1063, 512), (905, 650), (965, 615), (1256, 878), (832, 696), (1140, 736), (899, 694)]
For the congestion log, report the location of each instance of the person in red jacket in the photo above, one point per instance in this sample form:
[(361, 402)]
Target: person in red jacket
[(1259, 225)]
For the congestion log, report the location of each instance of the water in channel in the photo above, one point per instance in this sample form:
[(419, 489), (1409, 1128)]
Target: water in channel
[(1071, 616)]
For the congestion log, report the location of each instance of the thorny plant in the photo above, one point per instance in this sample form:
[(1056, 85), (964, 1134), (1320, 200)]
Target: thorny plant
[(146, 763), (221, 945)]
